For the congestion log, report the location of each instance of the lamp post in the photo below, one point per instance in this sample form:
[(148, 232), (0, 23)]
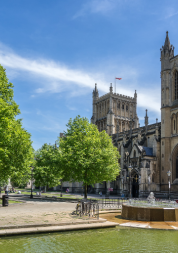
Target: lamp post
[(61, 189), (31, 196), (129, 169), (149, 173), (169, 182)]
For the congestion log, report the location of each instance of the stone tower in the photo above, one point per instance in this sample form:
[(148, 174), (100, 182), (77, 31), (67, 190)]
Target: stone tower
[(169, 113), (114, 112)]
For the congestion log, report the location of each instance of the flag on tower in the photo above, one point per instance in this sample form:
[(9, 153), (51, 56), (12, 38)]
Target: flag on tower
[(118, 78)]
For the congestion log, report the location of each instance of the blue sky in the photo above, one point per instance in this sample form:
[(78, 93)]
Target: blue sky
[(55, 51)]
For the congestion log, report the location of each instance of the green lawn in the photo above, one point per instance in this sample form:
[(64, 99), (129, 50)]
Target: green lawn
[(14, 202)]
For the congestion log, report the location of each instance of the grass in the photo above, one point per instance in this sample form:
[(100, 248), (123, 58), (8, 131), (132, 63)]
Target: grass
[(14, 202)]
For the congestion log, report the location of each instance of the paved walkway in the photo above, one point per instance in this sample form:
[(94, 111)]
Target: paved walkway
[(35, 212), (41, 217)]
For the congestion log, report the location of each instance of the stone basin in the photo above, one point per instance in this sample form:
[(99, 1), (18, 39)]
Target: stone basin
[(149, 213)]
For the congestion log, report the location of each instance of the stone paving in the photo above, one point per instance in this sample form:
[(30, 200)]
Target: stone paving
[(35, 212), (42, 217)]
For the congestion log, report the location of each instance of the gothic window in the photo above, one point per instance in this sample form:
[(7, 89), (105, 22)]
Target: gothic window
[(134, 153), (118, 105), (126, 107), (176, 84), (177, 167), (123, 107), (174, 125)]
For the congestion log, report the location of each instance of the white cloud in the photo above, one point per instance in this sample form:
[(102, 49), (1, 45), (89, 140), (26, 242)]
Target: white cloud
[(97, 6), (56, 77)]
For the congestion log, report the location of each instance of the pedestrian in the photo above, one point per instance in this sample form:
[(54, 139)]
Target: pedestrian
[(6, 189)]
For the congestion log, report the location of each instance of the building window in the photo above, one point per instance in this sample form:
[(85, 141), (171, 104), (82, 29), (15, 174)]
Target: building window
[(174, 125), (118, 105), (162, 180), (162, 167), (162, 155), (177, 167), (134, 153), (123, 107), (126, 107), (162, 143), (176, 84)]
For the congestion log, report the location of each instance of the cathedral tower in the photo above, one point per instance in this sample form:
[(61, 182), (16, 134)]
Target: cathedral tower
[(114, 112), (169, 113)]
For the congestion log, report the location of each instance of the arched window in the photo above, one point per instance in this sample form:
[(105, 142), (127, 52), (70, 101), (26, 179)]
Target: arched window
[(174, 125), (177, 167), (134, 153), (176, 84)]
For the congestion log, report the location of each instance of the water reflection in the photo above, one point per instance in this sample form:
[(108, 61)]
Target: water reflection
[(100, 240)]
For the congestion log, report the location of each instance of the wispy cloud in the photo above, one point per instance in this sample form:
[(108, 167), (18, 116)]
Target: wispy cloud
[(171, 14), (56, 77), (96, 6)]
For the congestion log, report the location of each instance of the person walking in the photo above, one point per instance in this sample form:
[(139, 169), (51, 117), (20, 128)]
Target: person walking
[(6, 189)]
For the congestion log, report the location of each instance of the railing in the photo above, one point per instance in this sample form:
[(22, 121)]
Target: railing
[(107, 203), (87, 208)]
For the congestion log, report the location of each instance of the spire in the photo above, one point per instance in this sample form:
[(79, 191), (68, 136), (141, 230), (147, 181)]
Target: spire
[(146, 118), (167, 49), (167, 44), (96, 87), (111, 88), (95, 91), (146, 121)]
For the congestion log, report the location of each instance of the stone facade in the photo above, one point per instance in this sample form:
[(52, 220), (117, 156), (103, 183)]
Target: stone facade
[(151, 150), (114, 112), (147, 152)]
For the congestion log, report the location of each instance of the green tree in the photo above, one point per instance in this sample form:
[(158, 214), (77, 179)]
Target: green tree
[(19, 179), (48, 169), (16, 153), (88, 155)]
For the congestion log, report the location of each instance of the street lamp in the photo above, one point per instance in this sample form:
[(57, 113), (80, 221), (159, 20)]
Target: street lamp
[(61, 189), (31, 196), (169, 176), (129, 169), (149, 173)]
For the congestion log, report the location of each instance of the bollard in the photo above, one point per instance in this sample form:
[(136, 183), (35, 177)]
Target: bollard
[(5, 201)]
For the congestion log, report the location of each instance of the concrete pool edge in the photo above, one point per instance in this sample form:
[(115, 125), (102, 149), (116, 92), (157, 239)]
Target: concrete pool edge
[(122, 222), (50, 228)]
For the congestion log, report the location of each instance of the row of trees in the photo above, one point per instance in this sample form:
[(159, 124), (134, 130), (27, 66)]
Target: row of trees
[(16, 152), (84, 154)]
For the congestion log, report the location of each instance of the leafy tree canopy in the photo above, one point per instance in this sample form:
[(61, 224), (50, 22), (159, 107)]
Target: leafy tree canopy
[(48, 170), (88, 155), (16, 153)]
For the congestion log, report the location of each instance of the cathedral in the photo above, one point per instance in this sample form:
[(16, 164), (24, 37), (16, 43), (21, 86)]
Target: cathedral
[(147, 152)]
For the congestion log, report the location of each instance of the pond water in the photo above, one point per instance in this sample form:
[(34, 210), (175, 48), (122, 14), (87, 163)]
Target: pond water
[(99, 240)]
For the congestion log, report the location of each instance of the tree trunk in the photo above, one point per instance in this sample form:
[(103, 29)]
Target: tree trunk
[(85, 191)]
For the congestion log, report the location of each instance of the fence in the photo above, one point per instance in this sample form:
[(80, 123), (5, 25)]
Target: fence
[(87, 208), (106, 203)]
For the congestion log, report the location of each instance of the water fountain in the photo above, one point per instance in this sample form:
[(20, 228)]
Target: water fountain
[(150, 210)]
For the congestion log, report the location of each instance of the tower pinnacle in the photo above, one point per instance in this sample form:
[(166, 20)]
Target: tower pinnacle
[(167, 49)]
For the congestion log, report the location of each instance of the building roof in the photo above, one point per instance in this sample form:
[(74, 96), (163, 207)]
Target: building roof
[(148, 151)]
